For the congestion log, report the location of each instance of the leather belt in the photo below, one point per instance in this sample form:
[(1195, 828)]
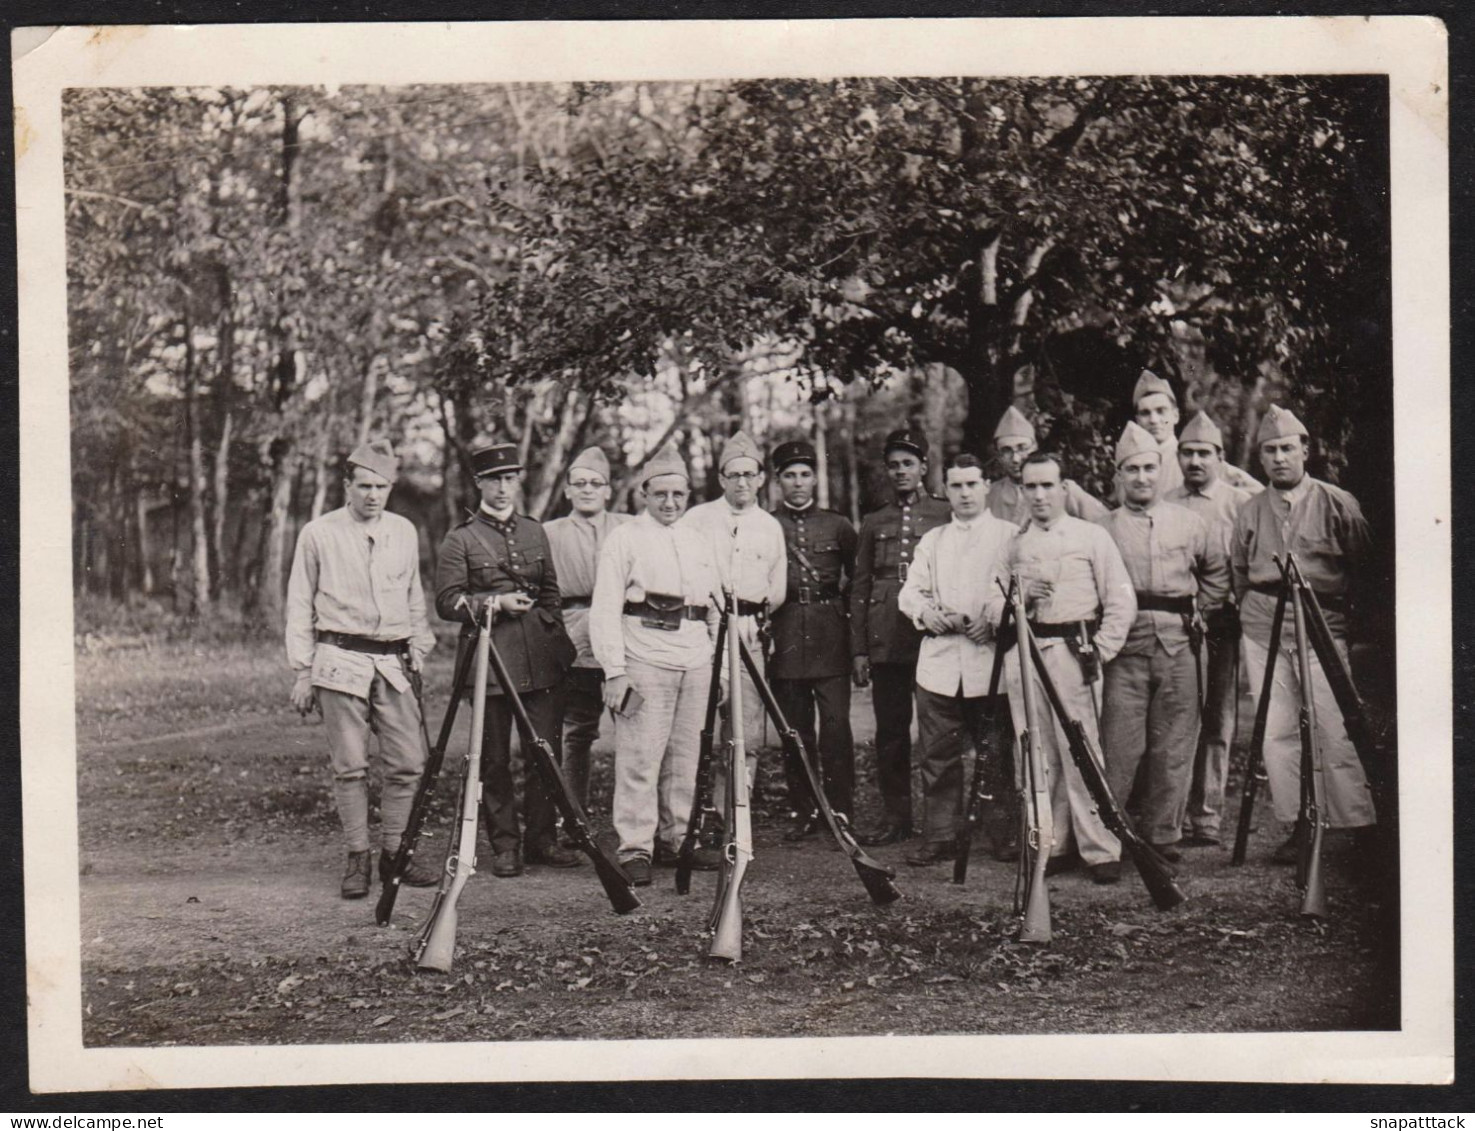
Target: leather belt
[(1336, 602), (747, 608), (813, 594), (576, 602), (898, 574), (1063, 630), (353, 643), (646, 609), (1156, 603)]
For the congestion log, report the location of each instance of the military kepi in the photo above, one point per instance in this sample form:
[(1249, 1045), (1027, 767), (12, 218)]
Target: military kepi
[(667, 461), (592, 459), (906, 440), (495, 460), (1278, 423), (1135, 440), (1014, 424), (738, 446), (795, 451), (376, 456), (1149, 383), (1201, 430)]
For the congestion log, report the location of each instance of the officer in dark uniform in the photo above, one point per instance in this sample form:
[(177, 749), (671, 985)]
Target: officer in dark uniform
[(883, 641), (811, 636), (500, 553)]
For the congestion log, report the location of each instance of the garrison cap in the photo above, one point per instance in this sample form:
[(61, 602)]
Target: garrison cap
[(1149, 383), (1201, 430), (1014, 423), (592, 459), (907, 440), (795, 451), (667, 461), (1277, 423), (1135, 441), (376, 456), (494, 460), (738, 445)]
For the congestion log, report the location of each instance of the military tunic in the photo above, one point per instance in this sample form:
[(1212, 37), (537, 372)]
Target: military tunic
[(1150, 712), (1323, 526), (810, 665), (879, 631), (484, 556)]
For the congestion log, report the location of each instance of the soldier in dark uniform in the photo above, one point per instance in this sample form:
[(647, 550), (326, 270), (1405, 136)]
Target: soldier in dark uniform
[(883, 641), (498, 552), (811, 636)]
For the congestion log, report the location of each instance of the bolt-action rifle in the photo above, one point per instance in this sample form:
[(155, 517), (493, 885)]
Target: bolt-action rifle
[(973, 813), (435, 947), (727, 907), (425, 791), (1255, 768), (703, 812), (1037, 816), (1313, 819)]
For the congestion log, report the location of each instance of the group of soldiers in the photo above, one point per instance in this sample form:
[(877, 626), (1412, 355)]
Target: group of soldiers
[(1141, 611)]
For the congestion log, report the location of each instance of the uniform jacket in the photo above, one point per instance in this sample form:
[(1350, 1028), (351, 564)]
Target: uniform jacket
[(811, 639), (576, 542), (888, 540), (478, 559)]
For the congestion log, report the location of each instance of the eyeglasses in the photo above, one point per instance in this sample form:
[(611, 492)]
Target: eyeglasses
[(742, 476), (584, 484)]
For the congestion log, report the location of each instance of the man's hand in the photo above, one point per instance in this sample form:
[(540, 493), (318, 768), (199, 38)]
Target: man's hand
[(1037, 589), (860, 671), (513, 604), (304, 695), (936, 621), (978, 630), (413, 659), (614, 691)]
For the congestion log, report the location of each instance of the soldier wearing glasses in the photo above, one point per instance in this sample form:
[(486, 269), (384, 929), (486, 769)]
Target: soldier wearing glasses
[(576, 541)]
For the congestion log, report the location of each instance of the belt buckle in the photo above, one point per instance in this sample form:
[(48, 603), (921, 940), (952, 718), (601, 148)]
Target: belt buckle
[(901, 572), (805, 597)]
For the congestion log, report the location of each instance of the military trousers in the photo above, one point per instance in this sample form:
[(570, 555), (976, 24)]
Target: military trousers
[(512, 786), (395, 717), (1215, 737), (1349, 800), (656, 757), (832, 750), (1149, 726), (947, 726), (583, 707), (891, 698), (1072, 812)]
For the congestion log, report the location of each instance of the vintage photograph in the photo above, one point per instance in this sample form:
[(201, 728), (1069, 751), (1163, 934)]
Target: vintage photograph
[(743, 555)]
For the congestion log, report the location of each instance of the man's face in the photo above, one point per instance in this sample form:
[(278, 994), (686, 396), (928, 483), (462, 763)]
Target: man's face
[(741, 477), (587, 491), (1159, 415), (1200, 463), (1012, 452), (905, 469), (1139, 476), (966, 488), (796, 482), (665, 497), (1043, 491), (1284, 460), (498, 490), (366, 493)]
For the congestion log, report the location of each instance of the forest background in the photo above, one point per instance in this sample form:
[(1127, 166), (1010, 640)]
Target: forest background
[(260, 278)]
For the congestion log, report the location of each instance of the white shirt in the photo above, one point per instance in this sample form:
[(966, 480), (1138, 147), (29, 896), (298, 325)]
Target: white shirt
[(952, 570)]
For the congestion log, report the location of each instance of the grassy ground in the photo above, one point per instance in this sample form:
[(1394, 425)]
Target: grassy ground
[(210, 862)]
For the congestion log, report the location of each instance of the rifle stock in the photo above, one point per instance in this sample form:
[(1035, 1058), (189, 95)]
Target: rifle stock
[(1039, 820), (701, 803), (425, 791), (436, 946), (1256, 765), (972, 814), (617, 887), (727, 910)]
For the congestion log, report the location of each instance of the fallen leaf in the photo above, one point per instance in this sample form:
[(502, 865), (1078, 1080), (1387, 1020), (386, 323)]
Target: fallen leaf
[(384, 1020)]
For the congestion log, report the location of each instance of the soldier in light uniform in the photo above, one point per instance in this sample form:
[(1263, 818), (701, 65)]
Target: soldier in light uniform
[(1323, 526), (1150, 709), (1015, 442), (884, 643), (575, 541), (1074, 582), (502, 554), (748, 546), (1204, 492), (1155, 408), (355, 621), (811, 636), (944, 595), (652, 629)]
